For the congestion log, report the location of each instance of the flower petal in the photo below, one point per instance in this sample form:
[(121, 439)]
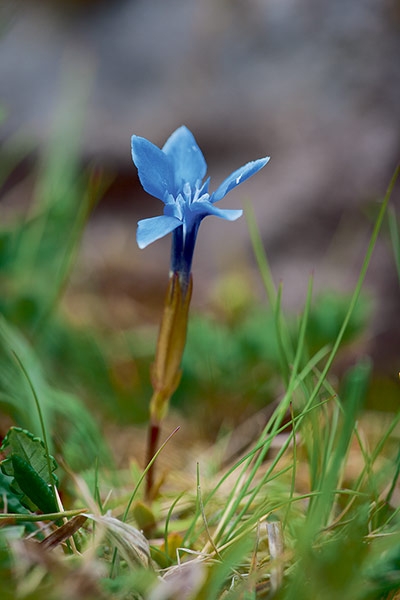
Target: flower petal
[(238, 177), (153, 167), (206, 208), (188, 162), (150, 230)]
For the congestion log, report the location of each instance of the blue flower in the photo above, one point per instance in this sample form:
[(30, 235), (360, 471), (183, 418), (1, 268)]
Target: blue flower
[(175, 174)]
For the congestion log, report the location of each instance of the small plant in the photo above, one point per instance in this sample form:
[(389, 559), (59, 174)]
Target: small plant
[(175, 175)]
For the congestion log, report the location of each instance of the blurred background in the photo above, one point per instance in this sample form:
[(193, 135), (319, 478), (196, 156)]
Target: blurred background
[(315, 84)]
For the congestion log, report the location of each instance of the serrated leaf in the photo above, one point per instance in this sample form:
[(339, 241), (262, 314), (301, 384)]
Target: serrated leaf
[(31, 448), (28, 464)]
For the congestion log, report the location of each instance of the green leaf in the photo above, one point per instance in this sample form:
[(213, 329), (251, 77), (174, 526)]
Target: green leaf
[(8, 499), (31, 468)]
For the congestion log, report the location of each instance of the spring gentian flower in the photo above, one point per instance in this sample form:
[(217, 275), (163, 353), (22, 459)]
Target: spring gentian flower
[(175, 174)]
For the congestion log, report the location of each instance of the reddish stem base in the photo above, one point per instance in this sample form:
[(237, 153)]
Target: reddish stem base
[(152, 446)]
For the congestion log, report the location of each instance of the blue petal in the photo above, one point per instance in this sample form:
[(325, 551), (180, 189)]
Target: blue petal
[(153, 167), (206, 208), (187, 160), (150, 230), (238, 177)]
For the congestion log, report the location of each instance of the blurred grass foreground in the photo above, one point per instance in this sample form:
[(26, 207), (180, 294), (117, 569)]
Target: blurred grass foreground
[(277, 476)]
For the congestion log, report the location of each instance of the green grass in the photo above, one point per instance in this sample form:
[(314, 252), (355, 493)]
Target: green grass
[(304, 507)]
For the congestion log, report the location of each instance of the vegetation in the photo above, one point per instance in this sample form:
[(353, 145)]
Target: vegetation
[(280, 483)]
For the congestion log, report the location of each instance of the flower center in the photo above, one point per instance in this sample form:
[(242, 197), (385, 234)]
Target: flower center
[(197, 196)]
